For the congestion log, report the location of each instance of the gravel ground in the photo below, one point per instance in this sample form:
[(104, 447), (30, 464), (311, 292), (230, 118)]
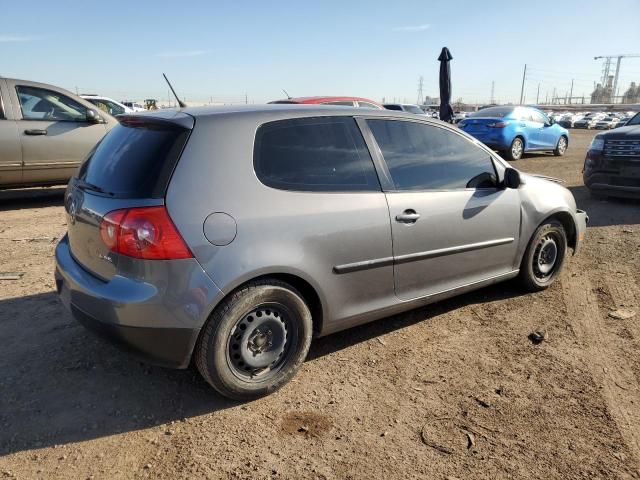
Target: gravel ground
[(453, 390)]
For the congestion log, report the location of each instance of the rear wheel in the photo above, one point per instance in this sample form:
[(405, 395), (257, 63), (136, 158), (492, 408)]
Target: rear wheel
[(544, 257), (516, 149), (255, 340), (561, 147)]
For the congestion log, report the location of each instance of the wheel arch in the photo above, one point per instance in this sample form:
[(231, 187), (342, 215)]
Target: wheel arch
[(568, 223), (309, 293)]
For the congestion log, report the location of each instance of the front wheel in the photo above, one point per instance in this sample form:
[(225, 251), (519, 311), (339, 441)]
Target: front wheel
[(516, 149), (255, 340), (544, 256), (561, 147)]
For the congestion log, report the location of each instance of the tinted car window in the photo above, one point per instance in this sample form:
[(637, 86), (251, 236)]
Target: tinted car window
[(107, 106), (42, 104), (317, 154), (135, 161), (345, 104), (423, 157), (493, 112), (393, 107), (635, 120)]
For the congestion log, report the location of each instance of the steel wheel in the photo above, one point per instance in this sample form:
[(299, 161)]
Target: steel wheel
[(545, 256), (261, 342)]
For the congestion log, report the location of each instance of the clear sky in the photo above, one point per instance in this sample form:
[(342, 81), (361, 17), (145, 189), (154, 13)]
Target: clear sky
[(373, 49)]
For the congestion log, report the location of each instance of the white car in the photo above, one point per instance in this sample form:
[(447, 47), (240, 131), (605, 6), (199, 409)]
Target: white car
[(134, 106), (107, 104)]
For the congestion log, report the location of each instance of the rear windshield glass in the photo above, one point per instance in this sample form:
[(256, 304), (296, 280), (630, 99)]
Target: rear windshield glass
[(135, 161), (492, 112)]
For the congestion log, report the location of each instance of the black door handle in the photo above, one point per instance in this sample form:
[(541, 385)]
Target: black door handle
[(35, 131), (408, 216)]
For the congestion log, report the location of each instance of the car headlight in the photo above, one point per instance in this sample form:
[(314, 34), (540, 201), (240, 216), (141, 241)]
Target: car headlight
[(597, 144)]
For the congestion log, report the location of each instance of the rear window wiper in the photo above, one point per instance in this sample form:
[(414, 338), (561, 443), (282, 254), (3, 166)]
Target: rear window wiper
[(90, 186)]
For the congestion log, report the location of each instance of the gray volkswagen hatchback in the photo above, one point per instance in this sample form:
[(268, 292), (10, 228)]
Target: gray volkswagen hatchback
[(232, 236)]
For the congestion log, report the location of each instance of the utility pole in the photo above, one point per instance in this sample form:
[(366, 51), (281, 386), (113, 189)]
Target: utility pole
[(524, 76), (493, 86), (538, 95), (420, 93), (571, 94), (246, 99), (553, 98)]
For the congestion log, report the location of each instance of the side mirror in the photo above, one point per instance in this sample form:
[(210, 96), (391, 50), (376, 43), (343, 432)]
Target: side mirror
[(94, 117), (511, 178)]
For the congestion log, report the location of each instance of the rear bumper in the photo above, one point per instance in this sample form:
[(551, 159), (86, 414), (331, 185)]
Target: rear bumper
[(159, 322)]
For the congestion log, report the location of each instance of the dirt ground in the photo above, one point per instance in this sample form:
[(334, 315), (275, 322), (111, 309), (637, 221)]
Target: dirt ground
[(453, 390)]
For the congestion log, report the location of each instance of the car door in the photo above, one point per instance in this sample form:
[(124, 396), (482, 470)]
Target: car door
[(548, 135), (54, 132), (10, 151), (452, 224), (535, 125)]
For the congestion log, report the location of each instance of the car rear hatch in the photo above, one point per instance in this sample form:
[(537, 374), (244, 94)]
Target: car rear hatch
[(129, 168)]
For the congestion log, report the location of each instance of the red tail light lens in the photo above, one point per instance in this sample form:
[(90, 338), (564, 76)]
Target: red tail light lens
[(144, 232), (498, 124)]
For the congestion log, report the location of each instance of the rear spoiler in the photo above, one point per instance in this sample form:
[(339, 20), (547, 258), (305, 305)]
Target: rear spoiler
[(161, 119)]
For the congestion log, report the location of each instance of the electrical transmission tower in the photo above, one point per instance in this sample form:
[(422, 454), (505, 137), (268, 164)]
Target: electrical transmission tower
[(606, 70), (420, 93)]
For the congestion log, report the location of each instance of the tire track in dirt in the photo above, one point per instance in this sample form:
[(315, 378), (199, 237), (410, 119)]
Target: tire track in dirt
[(608, 365)]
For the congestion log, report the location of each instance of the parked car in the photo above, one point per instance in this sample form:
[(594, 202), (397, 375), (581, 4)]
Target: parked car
[(612, 163), (459, 116), (135, 106), (516, 130), (569, 120), (45, 133), (404, 107), (587, 122), (339, 101), (606, 123), (233, 236), (108, 105)]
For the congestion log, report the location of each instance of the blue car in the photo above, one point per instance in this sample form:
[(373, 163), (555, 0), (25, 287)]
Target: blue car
[(515, 130)]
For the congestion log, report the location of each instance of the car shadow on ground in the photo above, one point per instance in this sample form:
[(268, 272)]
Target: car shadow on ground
[(31, 198), (60, 384), (608, 210)]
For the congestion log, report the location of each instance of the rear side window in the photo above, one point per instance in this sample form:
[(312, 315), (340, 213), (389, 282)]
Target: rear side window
[(314, 154), (424, 157), (135, 160)]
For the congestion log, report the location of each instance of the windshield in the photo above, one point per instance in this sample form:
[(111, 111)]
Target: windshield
[(635, 120), (493, 112)]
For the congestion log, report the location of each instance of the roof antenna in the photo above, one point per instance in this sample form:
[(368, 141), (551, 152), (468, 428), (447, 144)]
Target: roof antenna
[(180, 102), (285, 92)]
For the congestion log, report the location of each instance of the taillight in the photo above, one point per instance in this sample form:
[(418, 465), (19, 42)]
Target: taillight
[(498, 124), (143, 232)]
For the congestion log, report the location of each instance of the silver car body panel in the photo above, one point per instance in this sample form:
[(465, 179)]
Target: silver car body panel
[(342, 244)]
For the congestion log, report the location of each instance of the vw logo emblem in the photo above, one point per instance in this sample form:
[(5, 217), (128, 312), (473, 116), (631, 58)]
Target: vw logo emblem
[(73, 207)]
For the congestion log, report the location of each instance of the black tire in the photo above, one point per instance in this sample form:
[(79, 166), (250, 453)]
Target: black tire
[(516, 149), (560, 148), (264, 320), (534, 275)]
